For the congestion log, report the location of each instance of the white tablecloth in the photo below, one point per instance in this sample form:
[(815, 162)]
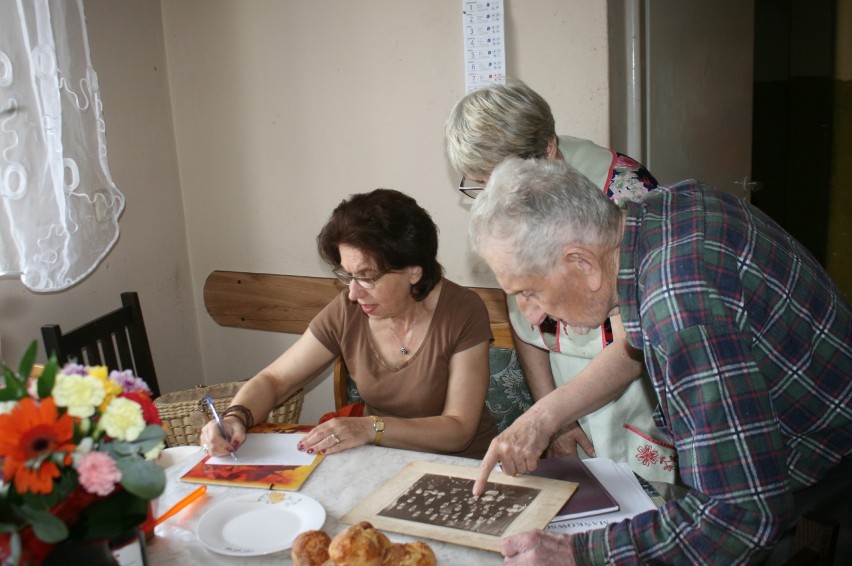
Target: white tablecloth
[(338, 483)]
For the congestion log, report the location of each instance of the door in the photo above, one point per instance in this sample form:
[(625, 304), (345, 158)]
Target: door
[(699, 91), (794, 113), (692, 62), (723, 90)]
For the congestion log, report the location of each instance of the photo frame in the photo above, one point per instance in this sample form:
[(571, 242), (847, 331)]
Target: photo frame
[(434, 501)]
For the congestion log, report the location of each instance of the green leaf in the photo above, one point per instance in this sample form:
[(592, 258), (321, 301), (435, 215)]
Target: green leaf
[(28, 360), (150, 437), (119, 449), (9, 528), (141, 477), (62, 487), (48, 378), (153, 433), (46, 526), (110, 517), (14, 389)]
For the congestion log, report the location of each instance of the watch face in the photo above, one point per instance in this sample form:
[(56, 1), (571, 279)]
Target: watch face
[(378, 425)]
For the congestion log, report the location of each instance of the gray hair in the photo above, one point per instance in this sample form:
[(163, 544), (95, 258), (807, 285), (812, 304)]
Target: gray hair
[(496, 122), (539, 206)]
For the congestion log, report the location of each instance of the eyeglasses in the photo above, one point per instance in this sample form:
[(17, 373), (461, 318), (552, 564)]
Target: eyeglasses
[(471, 192), (365, 282)]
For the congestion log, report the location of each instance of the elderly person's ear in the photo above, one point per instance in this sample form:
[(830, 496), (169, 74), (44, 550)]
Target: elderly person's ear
[(416, 272), (552, 151), (586, 264)]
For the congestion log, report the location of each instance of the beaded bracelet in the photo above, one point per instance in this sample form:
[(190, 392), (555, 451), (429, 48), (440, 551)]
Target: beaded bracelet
[(236, 411)]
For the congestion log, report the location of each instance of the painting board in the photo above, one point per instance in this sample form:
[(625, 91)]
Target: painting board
[(433, 501)]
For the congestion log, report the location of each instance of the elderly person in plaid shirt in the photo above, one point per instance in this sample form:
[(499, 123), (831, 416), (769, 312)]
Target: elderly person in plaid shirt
[(746, 340)]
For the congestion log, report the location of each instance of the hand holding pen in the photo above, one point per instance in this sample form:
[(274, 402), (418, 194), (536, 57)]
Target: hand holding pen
[(215, 414)]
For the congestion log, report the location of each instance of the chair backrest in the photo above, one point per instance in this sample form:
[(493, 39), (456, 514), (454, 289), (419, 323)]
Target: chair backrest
[(117, 340)]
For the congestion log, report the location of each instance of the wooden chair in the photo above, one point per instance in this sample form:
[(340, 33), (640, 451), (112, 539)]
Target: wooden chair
[(814, 542), (117, 340)]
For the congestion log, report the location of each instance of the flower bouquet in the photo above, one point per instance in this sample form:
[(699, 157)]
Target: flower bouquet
[(78, 449)]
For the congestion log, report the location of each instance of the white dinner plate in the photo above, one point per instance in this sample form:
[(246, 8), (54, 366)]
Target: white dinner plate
[(259, 524)]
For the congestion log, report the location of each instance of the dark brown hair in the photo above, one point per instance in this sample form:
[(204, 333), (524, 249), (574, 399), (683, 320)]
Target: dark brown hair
[(388, 227)]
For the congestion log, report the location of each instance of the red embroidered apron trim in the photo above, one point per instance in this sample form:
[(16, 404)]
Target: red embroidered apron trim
[(609, 173), (647, 455), (649, 438)]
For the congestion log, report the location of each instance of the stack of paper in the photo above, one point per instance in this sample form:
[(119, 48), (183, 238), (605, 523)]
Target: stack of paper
[(619, 481)]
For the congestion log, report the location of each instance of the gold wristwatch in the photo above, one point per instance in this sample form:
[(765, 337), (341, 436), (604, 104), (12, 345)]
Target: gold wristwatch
[(379, 427)]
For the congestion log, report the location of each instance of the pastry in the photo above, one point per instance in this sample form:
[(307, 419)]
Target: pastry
[(359, 545), (409, 554), (310, 548)]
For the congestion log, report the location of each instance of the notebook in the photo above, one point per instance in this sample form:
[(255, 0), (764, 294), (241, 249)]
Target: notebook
[(267, 459), (590, 498)]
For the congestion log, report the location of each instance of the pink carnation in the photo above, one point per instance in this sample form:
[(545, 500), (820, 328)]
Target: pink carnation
[(98, 473)]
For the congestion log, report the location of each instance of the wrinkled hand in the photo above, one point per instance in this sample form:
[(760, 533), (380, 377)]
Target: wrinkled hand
[(539, 548), (564, 442), (215, 444), (518, 449), (337, 435)]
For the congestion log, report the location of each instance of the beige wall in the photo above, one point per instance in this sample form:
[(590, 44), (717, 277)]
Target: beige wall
[(282, 109), (273, 111)]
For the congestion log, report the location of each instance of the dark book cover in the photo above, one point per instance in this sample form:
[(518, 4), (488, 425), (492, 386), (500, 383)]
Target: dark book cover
[(590, 498)]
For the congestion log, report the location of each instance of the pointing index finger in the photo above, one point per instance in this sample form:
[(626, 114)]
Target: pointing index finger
[(488, 462)]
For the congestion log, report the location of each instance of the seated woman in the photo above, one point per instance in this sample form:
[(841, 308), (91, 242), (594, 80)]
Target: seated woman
[(416, 344)]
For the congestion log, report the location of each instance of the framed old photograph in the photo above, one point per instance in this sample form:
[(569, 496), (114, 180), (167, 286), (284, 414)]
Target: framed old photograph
[(434, 501)]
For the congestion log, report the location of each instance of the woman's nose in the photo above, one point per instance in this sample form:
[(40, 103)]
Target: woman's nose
[(355, 290)]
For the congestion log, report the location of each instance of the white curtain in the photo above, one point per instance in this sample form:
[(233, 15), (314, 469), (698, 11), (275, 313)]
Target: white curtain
[(59, 207)]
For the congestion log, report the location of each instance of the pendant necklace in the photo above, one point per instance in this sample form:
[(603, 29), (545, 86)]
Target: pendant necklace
[(403, 348)]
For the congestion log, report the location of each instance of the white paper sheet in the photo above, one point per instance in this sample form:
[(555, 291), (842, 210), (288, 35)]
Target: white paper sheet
[(267, 449), (619, 480)]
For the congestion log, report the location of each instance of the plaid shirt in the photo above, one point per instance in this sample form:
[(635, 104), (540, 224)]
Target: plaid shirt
[(748, 344)]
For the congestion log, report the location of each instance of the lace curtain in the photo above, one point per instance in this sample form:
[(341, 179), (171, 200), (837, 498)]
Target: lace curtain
[(59, 205)]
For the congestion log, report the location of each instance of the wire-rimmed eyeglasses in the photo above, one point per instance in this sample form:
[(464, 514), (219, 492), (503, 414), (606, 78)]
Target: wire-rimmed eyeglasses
[(471, 192), (365, 282)]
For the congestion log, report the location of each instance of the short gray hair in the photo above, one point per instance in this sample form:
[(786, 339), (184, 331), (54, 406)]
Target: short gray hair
[(496, 122), (539, 206)]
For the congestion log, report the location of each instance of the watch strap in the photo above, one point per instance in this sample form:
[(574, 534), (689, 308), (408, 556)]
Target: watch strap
[(379, 427)]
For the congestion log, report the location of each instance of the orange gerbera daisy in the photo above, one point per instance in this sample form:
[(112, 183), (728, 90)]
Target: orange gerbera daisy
[(33, 431)]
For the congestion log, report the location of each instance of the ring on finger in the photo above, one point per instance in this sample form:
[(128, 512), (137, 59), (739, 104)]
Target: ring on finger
[(205, 447), (334, 438)]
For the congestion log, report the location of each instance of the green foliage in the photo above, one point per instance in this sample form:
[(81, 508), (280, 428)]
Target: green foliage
[(107, 517)]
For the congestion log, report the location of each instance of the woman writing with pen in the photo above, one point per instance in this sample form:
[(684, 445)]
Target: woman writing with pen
[(415, 343)]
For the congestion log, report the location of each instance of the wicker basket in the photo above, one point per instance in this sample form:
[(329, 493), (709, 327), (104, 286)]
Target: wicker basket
[(183, 414)]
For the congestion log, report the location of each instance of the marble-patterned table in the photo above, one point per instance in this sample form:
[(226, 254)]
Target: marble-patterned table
[(338, 483)]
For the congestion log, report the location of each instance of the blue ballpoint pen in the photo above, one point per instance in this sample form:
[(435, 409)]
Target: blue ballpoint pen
[(215, 413)]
